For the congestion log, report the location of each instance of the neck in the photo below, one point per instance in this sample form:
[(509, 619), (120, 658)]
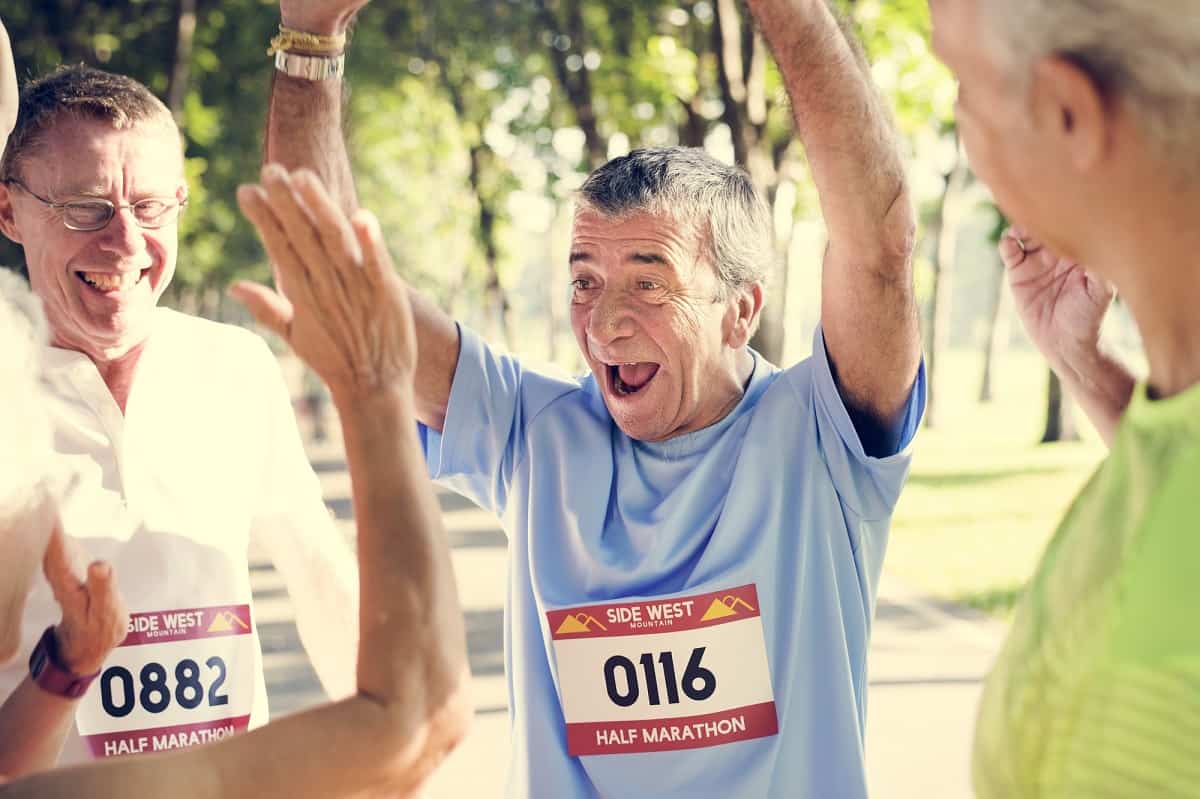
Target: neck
[(116, 370), (1153, 262)]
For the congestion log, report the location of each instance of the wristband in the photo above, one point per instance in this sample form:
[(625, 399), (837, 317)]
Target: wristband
[(51, 675)]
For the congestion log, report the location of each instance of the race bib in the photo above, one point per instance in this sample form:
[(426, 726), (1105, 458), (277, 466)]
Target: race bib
[(180, 678), (679, 673)]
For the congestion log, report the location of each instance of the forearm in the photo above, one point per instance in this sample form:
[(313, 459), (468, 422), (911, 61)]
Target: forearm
[(842, 121), (1102, 385), (33, 726), (304, 129), (412, 651), (868, 309)]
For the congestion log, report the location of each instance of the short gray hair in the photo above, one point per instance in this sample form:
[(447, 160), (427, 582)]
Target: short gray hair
[(686, 184), (1143, 51)]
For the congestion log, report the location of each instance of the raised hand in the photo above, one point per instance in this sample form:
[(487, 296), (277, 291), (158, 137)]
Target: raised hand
[(8, 88), (1061, 304), (346, 312), (326, 17), (94, 619)]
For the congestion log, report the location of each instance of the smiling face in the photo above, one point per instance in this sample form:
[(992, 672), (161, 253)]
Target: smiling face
[(99, 288), (647, 310)]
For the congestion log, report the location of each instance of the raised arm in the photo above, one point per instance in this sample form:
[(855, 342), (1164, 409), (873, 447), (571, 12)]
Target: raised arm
[(8, 88), (868, 312), (304, 129), (1062, 307)]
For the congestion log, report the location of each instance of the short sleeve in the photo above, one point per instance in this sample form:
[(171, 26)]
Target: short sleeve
[(869, 486)]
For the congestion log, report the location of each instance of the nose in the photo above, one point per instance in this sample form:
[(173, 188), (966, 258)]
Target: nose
[(611, 318), (123, 235)]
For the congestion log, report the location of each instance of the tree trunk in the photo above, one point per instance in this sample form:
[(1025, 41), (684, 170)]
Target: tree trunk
[(943, 232), (741, 74), (498, 306), (578, 84), (1060, 422), (997, 333), (185, 30)]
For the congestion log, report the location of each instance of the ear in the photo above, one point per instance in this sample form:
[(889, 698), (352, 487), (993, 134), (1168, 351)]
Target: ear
[(742, 315), (8, 224), (1069, 105)]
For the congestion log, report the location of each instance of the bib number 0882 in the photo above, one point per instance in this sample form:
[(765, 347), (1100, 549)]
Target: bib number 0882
[(155, 694), (697, 683)]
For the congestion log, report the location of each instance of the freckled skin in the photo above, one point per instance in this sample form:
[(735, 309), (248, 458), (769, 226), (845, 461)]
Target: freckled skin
[(642, 292)]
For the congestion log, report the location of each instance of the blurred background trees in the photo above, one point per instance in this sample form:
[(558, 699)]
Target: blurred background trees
[(471, 124)]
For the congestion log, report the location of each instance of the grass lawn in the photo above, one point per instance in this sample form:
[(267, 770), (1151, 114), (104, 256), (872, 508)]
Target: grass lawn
[(984, 496)]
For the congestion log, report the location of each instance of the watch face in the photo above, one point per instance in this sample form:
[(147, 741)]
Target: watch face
[(38, 663)]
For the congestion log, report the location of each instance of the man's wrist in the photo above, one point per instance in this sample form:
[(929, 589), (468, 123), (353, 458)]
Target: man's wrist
[(322, 26), (51, 672)]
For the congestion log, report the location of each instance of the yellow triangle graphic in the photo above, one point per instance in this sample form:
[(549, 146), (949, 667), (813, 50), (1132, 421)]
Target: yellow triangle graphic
[(220, 624), (571, 626), (717, 610), (224, 622)]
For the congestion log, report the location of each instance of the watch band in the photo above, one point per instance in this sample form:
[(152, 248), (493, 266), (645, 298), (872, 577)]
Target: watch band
[(48, 672), (310, 67)]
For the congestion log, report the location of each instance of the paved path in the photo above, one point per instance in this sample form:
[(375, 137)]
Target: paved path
[(926, 663)]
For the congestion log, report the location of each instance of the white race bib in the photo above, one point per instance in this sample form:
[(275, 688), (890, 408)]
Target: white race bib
[(679, 673), (180, 678)]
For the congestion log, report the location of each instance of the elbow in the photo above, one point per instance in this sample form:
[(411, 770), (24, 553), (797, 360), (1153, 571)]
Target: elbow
[(419, 734), (898, 234)]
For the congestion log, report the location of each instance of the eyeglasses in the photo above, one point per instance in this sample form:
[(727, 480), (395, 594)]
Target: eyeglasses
[(96, 213)]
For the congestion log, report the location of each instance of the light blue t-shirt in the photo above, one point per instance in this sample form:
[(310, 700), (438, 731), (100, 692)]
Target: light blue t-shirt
[(651, 583)]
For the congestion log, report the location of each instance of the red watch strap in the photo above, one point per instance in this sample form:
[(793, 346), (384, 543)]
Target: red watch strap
[(48, 672)]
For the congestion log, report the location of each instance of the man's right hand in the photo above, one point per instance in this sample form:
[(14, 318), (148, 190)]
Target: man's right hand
[(1061, 304), (325, 17), (94, 619)]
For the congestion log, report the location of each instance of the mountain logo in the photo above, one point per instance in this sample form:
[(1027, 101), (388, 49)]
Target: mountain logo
[(227, 621), (579, 623), (724, 607)]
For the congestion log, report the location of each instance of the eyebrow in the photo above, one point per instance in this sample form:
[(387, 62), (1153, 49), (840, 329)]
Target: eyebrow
[(580, 256)]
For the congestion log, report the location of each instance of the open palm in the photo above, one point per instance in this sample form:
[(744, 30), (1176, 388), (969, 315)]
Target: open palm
[(1061, 304)]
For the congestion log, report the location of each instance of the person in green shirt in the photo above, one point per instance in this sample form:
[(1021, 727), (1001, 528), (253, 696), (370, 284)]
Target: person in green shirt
[(1075, 111)]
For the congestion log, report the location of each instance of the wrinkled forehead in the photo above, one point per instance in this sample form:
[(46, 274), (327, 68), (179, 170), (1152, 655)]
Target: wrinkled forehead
[(91, 155)]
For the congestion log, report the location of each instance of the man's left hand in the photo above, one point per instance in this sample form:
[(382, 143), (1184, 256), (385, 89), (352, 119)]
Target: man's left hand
[(94, 618)]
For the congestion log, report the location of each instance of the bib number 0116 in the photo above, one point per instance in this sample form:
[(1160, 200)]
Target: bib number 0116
[(155, 694), (697, 682)]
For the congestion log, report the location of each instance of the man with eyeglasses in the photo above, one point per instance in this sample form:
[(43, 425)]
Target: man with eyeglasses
[(178, 433)]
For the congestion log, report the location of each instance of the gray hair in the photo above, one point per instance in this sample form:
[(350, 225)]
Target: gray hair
[(717, 201), (1143, 51)]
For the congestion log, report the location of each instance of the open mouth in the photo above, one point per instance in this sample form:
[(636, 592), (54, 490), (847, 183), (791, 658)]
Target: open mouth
[(630, 378), (107, 282)]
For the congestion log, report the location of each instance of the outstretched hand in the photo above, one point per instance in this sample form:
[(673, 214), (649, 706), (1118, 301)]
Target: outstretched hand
[(1061, 304), (341, 306), (8, 88), (94, 618)]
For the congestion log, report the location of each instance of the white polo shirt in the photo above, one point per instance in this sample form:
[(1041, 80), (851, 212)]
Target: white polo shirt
[(205, 459)]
